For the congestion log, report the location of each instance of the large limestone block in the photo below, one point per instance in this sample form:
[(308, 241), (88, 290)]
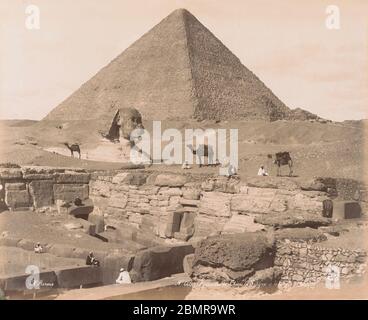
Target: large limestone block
[(97, 218), (258, 204), (293, 220), (79, 276), (188, 264), (273, 182), (171, 192), (42, 193), (226, 184), (72, 177), (205, 225), (215, 204), (10, 173), (173, 223), (170, 180), (237, 256), (191, 194), (15, 186), (159, 262), (307, 202), (69, 192), (17, 199), (136, 178), (112, 265), (100, 188), (300, 235), (346, 209), (118, 201), (40, 172), (187, 226), (240, 223)]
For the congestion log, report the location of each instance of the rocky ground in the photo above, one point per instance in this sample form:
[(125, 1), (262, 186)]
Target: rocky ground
[(318, 149)]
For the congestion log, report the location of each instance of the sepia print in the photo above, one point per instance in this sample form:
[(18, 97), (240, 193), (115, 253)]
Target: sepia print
[(183, 150)]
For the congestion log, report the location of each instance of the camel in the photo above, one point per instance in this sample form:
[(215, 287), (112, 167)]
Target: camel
[(73, 148), (203, 150), (282, 159)]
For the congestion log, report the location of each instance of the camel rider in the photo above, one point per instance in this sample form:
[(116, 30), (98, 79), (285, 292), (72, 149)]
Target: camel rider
[(262, 171)]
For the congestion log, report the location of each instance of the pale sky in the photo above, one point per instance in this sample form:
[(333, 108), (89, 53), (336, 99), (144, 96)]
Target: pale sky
[(284, 42)]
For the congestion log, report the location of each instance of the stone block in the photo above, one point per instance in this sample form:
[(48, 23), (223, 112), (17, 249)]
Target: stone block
[(15, 186), (258, 204), (112, 264), (17, 199), (171, 192), (273, 182), (10, 173), (215, 204), (38, 176), (69, 192), (136, 179), (170, 180), (118, 201), (187, 209), (100, 188), (191, 194), (72, 177), (88, 226), (97, 218), (240, 223), (188, 264), (123, 177), (79, 276), (307, 201), (190, 203), (63, 206), (159, 262), (346, 209), (42, 193), (173, 223)]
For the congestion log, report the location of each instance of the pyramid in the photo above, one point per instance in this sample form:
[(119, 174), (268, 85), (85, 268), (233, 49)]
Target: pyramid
[(177, 70)]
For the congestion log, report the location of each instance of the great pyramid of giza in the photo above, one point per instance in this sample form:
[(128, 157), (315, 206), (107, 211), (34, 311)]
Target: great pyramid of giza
[(178, 69)]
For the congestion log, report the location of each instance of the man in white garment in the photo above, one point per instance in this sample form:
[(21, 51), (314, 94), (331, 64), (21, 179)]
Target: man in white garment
[(124, 277)]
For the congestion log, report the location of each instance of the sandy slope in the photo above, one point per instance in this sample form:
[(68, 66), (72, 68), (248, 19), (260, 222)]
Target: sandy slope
[(330, 149)]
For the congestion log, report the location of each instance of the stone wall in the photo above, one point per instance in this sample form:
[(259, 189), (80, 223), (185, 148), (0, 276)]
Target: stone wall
[(181, 206), (40, 187), (304, 264)]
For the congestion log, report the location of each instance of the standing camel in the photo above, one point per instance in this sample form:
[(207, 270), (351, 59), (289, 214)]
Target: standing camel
[(73, 148), (282, 159), (203, 150)]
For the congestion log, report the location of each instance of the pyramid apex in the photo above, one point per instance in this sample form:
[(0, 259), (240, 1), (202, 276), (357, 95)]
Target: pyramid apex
[(180, 12)]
